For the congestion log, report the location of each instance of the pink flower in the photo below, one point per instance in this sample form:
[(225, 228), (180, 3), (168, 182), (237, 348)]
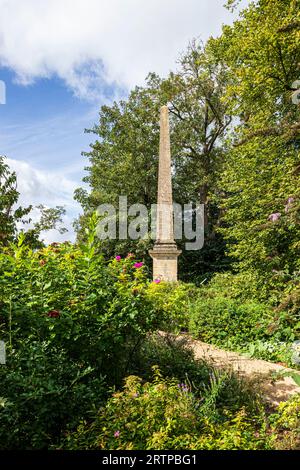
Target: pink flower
[(157, 281), (289, 204), (118, 258), (117, 434), (138, 265), (130, 255), (274, 217)]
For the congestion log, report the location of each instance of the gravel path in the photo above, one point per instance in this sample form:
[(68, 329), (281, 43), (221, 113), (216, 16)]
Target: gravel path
[(262, 372)]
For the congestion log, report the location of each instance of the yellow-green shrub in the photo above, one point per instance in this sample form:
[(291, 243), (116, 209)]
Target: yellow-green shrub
[(164, 414), (171, 301)]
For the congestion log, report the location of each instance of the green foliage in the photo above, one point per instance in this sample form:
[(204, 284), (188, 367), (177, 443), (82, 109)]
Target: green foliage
[(9, 195), (286, 424), (228, 322), (269, 350), (171, 301), (165, 414), (175, 359), (76, 324), (10, 215), (45, 392), (97, 308), (260, 177), (222, 314), (65, 314), (50, 218), (124, 157)]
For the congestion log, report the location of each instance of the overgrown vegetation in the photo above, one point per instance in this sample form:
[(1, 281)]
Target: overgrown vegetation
[(235, 148), (79, 329), (85, 368)]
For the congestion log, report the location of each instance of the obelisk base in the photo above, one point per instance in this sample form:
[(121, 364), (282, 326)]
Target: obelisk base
[(164, 257)]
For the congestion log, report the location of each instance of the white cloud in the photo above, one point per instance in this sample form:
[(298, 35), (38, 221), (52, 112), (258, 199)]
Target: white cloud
[(98, 48), (48, 188), (93, 43)]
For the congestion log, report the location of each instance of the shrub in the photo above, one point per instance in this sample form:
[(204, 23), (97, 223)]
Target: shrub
[(176, 360), (164, 414), (174, 357), (70, 297), (65, 312), (271, 350), (285, 424), (227, 322), (242, 286), (44, 393), (225, 315), (171, 302)]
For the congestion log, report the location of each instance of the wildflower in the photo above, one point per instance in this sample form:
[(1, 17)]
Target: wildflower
[(130, 255), (117, 434), (183, 387), (289, 204), (53, 314), (274, 217), (156, 281), (138, 265), (118, 258)]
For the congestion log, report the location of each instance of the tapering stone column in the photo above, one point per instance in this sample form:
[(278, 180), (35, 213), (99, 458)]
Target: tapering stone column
[(165, 251)]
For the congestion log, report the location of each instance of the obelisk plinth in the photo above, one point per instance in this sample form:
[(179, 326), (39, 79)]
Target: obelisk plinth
[(165, 251)]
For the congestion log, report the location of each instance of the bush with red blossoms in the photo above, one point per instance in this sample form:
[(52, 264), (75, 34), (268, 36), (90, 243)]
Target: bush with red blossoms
[(53, 314)]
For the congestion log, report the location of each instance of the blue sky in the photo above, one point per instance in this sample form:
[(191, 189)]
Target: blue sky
[(62, 59)]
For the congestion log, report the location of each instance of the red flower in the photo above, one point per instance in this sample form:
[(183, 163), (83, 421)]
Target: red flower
[(53, 314)]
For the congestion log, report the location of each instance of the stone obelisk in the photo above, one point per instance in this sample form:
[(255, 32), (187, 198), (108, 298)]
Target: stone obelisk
[(165, 251)]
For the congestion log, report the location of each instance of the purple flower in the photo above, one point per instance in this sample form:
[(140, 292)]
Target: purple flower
[(138, 265), (289, 203), (183, 387), (274, 217), (117, 434), (156, 281), (118, 258)]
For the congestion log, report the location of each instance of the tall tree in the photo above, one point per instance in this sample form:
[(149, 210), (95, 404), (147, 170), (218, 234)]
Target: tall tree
[(262, 53), (14, 217), (10, 214), (125, 155)]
